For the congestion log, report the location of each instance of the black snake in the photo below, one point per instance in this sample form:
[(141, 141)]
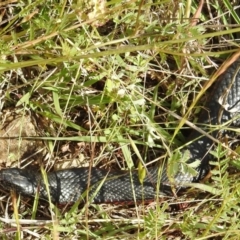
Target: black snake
[(102, 186)]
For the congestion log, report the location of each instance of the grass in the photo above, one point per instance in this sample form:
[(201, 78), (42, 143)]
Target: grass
[(104, 81)]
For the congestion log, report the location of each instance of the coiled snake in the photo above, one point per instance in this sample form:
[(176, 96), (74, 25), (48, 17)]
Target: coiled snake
[(70, 185)]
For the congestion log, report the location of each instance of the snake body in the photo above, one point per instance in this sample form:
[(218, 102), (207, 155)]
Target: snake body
[(102, 186)]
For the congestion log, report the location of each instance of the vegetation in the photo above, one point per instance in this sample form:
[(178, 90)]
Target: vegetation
[(105, 83)]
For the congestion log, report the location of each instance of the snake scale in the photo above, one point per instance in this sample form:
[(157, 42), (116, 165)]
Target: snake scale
[(102, 186)]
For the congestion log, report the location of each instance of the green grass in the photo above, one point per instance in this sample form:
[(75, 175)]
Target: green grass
[(108, 81)]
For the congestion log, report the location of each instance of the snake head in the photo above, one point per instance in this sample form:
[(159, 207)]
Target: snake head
[(20, 180)]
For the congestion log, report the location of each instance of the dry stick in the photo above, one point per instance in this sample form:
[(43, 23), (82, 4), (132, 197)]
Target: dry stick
[(7, 2), (221, 70), (195, 17)]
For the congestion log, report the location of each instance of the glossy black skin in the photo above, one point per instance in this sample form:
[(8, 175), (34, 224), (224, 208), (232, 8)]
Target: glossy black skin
[(70, 185)]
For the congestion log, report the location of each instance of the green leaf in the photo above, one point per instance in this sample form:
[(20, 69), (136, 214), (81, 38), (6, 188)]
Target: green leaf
[(56, 103), (24, 100), (178, 162), (141, 172), (205, 188)]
